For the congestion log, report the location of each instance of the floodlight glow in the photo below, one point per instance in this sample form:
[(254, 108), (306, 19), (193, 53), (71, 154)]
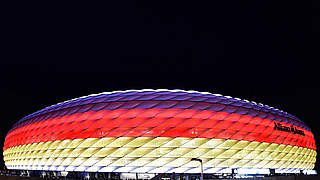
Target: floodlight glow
[(252, 171), (310, 172)]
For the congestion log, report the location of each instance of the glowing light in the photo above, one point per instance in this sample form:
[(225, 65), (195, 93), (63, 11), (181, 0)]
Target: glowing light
[(310, 172), (252, 171), (157, 131)]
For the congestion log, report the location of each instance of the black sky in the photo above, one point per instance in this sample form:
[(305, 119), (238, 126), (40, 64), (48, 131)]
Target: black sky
[(261, 51)]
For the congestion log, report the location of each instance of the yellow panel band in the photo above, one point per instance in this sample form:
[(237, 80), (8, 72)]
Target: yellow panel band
[(150, 152)]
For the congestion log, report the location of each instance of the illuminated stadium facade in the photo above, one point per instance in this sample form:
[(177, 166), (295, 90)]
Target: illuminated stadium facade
[(160, 131)]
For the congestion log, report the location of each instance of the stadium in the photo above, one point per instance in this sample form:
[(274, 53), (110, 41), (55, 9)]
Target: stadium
[(151, 132)]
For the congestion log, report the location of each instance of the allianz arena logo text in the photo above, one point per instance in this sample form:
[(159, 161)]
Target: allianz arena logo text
[(294, 130)]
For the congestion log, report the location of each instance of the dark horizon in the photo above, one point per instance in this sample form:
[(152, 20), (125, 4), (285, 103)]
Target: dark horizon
[(260, 51)]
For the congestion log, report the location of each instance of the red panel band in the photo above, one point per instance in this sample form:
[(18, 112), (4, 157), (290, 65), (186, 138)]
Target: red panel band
[(158, 123)]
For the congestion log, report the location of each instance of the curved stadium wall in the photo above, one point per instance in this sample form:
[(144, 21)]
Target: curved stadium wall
[(158, 131)]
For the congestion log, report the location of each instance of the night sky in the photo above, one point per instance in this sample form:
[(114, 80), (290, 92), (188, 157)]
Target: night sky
[(262, 51)]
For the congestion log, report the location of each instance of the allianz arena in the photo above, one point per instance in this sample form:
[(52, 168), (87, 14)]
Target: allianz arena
[(160, 131)]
